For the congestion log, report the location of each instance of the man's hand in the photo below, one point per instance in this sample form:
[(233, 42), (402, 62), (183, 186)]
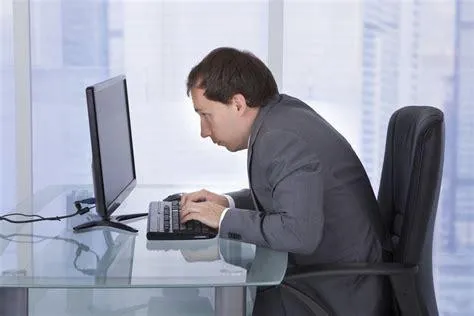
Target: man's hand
[(208, 213), (204, 195)]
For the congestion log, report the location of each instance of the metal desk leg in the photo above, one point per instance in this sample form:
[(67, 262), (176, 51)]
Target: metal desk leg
[(14, 301), (230, 301)]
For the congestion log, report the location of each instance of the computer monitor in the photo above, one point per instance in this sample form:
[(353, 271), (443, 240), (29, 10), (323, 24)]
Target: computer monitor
[(113, 165)]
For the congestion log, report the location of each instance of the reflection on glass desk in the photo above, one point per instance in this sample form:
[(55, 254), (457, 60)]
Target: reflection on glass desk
[(50, 255), (109, 258)]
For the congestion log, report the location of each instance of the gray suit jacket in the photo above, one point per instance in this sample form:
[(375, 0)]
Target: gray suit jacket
[(310, 196)]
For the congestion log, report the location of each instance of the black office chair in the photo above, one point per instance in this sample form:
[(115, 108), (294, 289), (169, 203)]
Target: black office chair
[(408, 198)]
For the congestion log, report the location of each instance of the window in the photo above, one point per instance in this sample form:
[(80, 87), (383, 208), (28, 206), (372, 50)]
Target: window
[(155, 43), (7, 109)]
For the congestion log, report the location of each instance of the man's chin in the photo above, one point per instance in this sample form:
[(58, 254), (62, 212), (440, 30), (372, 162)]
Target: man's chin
[(225, 146), (229, 148), (233, 149)]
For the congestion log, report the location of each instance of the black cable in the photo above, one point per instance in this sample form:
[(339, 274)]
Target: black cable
[(26, 215), (80, 211)]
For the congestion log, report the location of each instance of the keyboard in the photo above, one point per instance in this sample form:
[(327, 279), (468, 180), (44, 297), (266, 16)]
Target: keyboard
[(164, 224)]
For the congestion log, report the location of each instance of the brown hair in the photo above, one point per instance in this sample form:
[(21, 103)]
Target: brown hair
[(227, 71)]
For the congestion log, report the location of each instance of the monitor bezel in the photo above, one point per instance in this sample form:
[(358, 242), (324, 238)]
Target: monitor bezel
[(105, 211)]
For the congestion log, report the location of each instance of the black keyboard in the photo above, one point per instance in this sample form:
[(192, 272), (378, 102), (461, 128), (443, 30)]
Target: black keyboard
[(164, 223)]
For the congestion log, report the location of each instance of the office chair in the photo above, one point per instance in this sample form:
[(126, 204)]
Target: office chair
[(408, 198)]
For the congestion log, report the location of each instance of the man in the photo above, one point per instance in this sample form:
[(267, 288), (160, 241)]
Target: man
[(309, 194)]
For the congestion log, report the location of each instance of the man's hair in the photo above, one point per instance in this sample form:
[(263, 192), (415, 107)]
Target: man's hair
[(227, 71)]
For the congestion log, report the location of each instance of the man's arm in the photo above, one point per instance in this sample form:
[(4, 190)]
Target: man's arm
[(295, 222), (242, 199)]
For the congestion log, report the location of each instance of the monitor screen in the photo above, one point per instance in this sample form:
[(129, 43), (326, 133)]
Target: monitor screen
[(113, 165)]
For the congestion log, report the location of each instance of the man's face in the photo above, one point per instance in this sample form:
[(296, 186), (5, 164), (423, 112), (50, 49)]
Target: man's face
[(221, 122)]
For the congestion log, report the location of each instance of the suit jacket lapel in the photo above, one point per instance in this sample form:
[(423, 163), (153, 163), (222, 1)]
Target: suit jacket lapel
[(262, 113)]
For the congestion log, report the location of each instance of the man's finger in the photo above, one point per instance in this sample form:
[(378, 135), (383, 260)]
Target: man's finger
[(196, 206), (192, 197), (190, 207), (183, 199), (183, 213), (187, 198), (188, 217)]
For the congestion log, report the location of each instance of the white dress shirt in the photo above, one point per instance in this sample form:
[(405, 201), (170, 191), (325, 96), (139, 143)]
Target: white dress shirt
[(231, 205)]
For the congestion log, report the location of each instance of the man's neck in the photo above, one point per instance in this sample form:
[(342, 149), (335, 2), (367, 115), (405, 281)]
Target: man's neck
[(252, 117)]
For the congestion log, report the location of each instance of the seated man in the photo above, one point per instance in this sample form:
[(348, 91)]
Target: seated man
[(309, 194)]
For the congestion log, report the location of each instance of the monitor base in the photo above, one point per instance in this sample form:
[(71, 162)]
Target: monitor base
[(113, 222)]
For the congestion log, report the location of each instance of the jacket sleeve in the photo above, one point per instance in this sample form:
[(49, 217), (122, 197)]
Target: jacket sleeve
[(242, 199), (295, 222)]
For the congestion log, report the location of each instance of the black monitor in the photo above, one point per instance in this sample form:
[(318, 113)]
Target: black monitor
[(113, 165)]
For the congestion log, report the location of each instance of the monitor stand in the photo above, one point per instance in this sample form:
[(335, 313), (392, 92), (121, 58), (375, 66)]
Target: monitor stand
[(113, 222)]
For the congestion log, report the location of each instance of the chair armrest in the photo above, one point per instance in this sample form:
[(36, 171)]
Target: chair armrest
[(341, 269)]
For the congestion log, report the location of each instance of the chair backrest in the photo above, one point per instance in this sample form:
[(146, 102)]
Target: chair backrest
[(409, 191)]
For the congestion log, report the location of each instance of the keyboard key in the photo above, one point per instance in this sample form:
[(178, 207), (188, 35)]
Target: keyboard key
[(154, 221), (153, 206), (175, 220)]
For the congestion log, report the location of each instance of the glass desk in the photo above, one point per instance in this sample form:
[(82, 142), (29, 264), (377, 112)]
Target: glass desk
[(49, 255)]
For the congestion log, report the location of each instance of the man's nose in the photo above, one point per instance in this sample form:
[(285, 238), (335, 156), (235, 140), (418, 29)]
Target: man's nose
[(205, 132)]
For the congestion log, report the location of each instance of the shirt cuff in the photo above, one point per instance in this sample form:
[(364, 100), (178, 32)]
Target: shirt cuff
[(222, 216), (230, 200)]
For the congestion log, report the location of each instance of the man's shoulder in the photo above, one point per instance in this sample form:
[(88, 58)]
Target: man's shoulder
[(288, 100), (290, 114)]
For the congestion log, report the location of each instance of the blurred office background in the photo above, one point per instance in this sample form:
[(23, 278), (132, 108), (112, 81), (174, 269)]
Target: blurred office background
[(354, 61)]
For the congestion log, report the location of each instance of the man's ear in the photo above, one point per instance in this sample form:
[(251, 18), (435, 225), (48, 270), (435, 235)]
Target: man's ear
[(238, 100)]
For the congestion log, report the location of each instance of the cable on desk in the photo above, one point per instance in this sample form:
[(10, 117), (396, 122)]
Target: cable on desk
[(80, 211)]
